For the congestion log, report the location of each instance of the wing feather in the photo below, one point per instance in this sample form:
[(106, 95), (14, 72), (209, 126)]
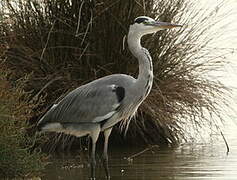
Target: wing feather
[(86, 104)]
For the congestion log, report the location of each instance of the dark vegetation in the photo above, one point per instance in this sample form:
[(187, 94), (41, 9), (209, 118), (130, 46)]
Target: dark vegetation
[(50, 47), (16, 155)]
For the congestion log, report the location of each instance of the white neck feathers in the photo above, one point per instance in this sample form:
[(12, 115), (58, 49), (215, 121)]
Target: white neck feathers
[(143, 56)]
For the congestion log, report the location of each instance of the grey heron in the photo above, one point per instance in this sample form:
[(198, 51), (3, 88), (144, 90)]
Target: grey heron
[(99, 105)]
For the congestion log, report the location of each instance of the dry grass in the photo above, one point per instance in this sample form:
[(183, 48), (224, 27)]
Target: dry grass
[(60, 45), (17, 159)]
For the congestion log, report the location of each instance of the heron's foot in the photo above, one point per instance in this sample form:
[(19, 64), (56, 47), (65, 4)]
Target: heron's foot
[(106, 167), (93, 166)]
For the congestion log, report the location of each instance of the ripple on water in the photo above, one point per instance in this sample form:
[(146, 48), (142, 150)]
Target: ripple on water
[(187, 162)]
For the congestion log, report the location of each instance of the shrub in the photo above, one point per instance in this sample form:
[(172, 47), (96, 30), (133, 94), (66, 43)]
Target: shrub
[(16, 157), (62, 44)]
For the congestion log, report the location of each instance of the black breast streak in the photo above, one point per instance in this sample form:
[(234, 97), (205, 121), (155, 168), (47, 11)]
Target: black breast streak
[(148, 80), (150, 63), (147, 90), (140, 99), (120, 93), (149, 58)]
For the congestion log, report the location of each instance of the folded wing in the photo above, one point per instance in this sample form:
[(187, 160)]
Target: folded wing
[(86, 105)]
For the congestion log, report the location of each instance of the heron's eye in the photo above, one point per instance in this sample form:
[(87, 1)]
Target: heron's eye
[(146, 22)]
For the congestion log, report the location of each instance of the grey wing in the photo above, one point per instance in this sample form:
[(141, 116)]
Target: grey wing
[(85, 105)]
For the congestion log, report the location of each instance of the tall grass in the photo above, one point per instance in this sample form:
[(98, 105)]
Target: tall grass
[(62, 44), (16, 157)]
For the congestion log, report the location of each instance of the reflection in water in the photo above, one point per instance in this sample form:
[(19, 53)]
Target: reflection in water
[(189, 161)]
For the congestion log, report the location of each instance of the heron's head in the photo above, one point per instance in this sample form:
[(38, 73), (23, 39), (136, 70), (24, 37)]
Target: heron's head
[(145, 25)]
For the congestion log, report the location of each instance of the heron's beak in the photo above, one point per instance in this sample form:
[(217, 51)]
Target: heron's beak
[(165, 25)]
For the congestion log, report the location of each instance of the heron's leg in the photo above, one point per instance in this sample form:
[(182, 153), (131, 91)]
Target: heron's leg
[(105, 154), (94, 137), (93, 161)]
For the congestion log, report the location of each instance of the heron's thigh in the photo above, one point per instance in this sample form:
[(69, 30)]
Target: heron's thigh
[(82, 129)]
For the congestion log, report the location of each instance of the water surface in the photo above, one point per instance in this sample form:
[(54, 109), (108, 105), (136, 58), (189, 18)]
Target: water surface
[(186, 162)]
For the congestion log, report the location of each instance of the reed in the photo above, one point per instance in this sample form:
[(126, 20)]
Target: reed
[(62, 44)]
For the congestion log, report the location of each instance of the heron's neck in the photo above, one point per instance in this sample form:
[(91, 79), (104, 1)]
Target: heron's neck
[(143, 56)]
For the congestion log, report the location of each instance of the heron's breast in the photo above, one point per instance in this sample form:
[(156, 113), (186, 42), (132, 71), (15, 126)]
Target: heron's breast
[(139, 96)]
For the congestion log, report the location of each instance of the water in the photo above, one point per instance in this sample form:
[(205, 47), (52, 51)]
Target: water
[(187, 162)]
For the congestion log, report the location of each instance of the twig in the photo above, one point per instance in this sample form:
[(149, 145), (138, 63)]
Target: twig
[(45, 86), (141, 152), (83, 52), (79, 19), (226, 143), (47, 41), (87, 28)]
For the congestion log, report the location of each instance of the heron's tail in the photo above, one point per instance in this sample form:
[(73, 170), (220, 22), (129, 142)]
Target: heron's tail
[(45, 118)]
